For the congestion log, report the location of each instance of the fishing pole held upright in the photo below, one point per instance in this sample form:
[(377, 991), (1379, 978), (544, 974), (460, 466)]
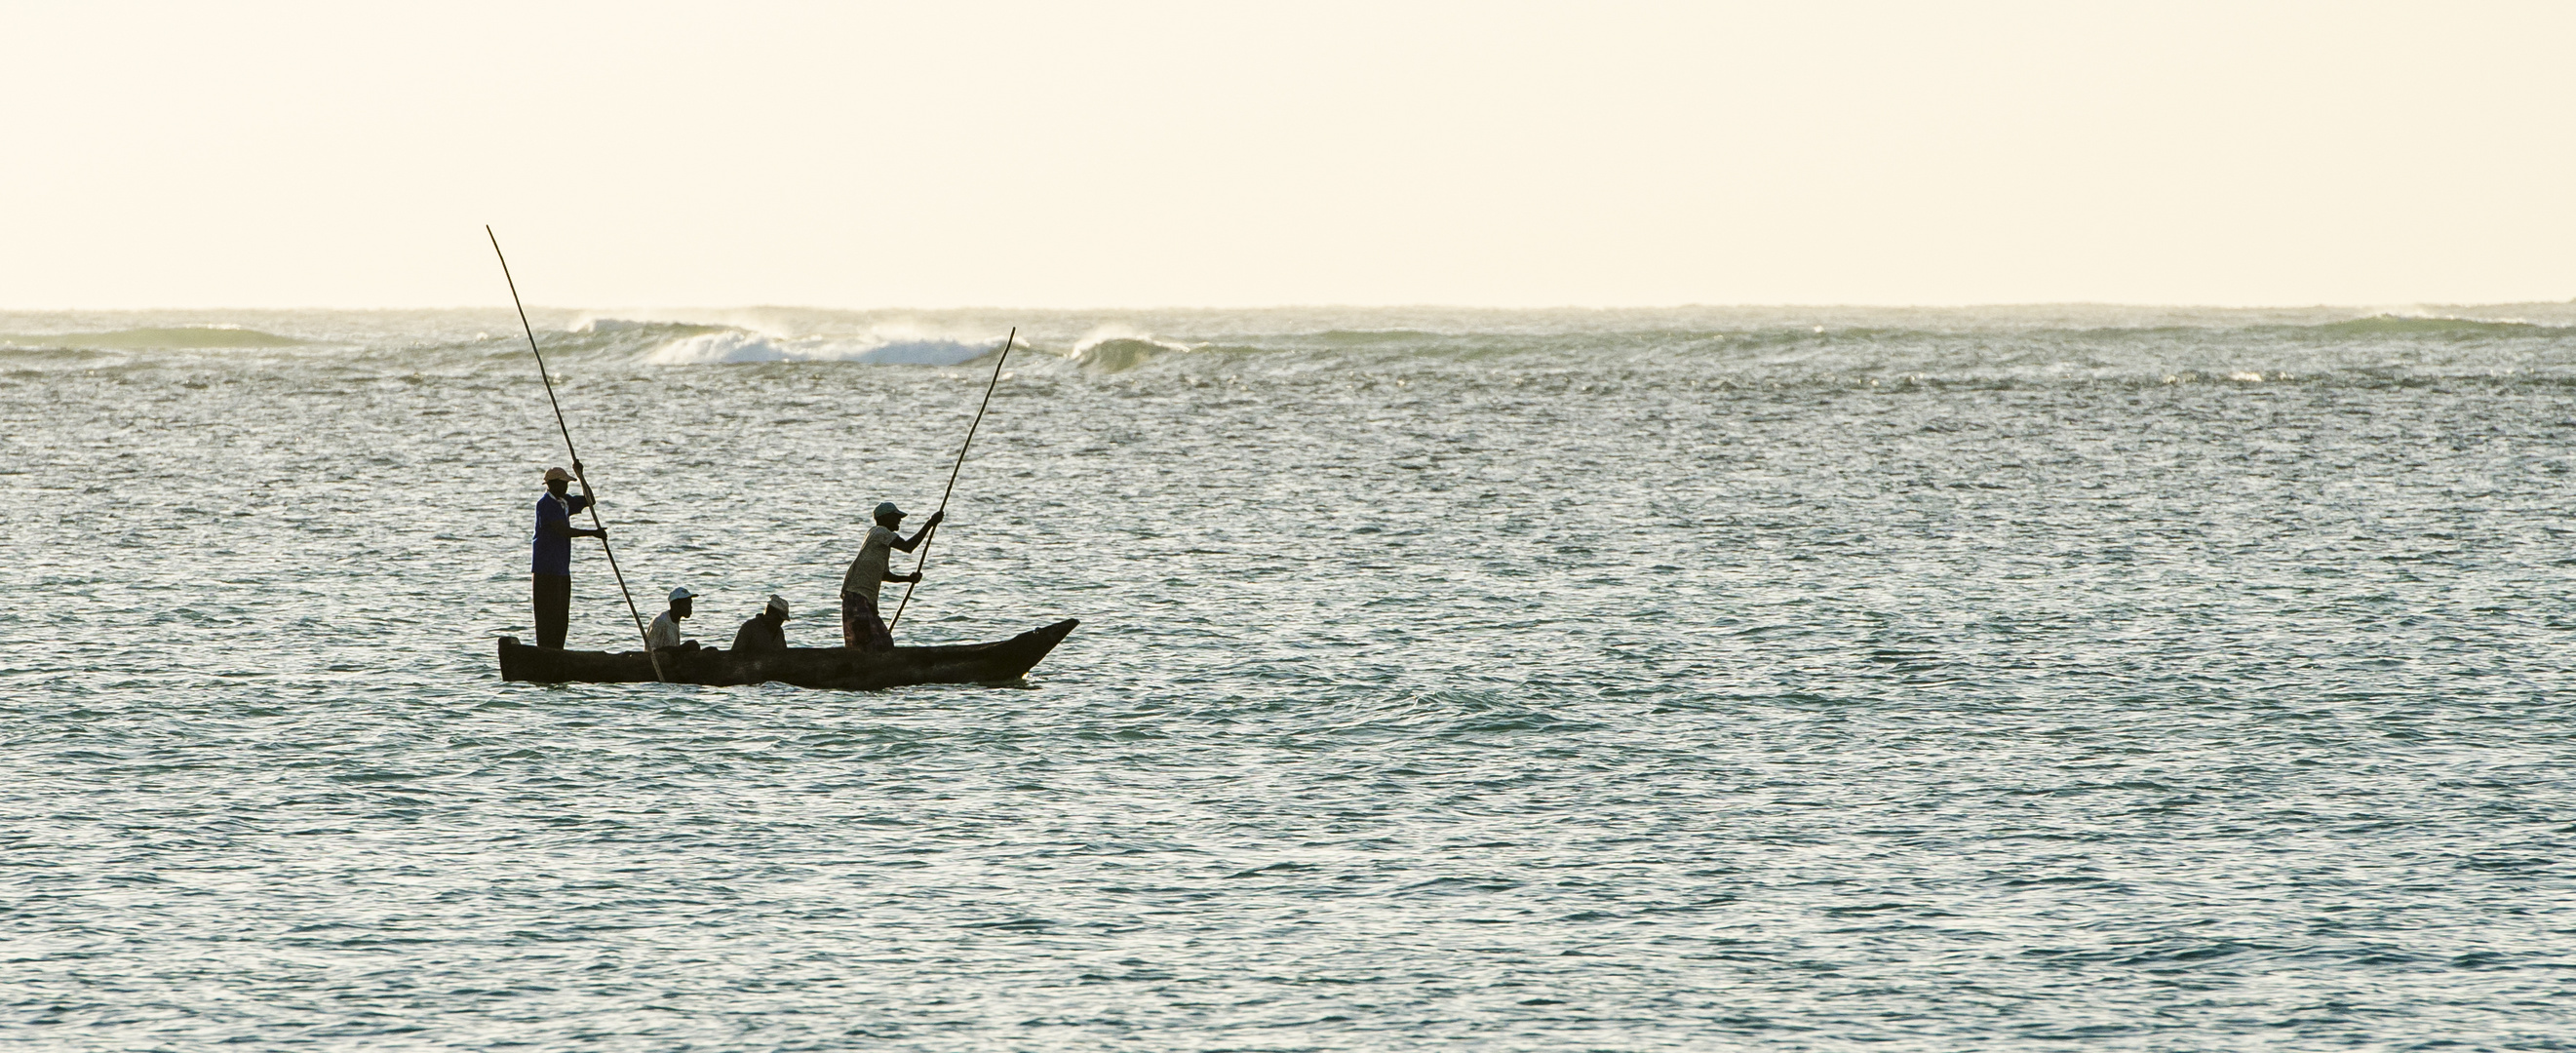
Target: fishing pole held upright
[(954, 469), (566, 429)]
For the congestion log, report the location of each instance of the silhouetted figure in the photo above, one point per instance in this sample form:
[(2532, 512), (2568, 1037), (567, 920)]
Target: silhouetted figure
[(550, 556), (861, 627), (665, 633), (765, 632)]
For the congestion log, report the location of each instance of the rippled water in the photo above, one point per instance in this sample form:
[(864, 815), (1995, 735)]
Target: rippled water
[(2046, 678)]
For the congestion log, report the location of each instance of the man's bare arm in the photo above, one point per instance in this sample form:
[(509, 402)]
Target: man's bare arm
[(908, 544)]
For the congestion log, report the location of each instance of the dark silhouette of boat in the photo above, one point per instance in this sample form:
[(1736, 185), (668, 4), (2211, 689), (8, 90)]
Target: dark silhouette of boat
[(838, 668)]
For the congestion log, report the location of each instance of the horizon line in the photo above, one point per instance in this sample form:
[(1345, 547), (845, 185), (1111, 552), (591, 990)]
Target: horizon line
[(1554, 308)]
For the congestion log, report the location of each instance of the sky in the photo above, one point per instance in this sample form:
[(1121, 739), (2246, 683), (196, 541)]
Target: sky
[(1114, 154)]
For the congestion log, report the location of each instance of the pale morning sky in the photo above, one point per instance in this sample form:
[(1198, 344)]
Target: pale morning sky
[(1120, 154)]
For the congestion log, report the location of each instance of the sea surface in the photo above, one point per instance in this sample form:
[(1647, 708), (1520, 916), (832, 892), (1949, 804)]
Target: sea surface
[(2041, 678)]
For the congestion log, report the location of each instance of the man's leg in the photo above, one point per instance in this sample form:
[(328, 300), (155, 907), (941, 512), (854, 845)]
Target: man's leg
[(861, 629), (553, 594), (879, 638)]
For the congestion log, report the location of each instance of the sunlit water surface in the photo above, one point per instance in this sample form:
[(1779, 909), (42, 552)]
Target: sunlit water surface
[(2048, 678)]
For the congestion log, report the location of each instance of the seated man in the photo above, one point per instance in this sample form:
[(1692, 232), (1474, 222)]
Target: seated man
[(766, 631), (665, 633)]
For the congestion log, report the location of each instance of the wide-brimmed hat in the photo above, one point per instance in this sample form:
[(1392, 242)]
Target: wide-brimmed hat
[(558, 475)]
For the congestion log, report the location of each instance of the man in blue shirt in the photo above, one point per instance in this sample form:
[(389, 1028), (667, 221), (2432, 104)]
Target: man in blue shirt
[(550, 558)]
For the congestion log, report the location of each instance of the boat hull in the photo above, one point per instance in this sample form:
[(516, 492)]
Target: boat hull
[(835, 668)]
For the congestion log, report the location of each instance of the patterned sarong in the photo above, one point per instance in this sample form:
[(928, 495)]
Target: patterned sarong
[(861, 628)]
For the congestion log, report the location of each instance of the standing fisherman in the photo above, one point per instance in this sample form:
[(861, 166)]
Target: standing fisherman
[(550, 558), (861, 628)]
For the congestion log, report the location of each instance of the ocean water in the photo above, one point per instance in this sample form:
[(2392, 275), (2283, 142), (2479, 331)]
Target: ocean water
[(1772, 679)]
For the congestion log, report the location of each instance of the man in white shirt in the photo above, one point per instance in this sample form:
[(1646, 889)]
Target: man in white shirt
[(862, 628), (665, 633)]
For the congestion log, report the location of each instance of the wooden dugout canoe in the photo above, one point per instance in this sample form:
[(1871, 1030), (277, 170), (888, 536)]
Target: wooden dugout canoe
[(836, 668)]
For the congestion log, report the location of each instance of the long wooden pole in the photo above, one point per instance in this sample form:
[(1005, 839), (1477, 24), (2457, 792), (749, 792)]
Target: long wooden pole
[(953, 470), (576, 454)]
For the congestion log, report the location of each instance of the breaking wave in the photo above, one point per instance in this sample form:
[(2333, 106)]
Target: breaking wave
[(663, 343), (1118, 348), (735, 345), (1862, 347)]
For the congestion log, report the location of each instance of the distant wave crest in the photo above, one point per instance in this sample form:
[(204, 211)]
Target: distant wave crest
[(667, 343), (2426, 325), (174, 337), (1117, 349), (736, 345)]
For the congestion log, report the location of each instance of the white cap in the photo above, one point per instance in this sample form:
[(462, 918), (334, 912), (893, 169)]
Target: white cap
[(682, 593), (778, 603)]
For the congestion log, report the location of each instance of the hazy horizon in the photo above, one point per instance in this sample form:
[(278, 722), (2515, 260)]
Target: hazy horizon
[(2393, 307), (277, 155)]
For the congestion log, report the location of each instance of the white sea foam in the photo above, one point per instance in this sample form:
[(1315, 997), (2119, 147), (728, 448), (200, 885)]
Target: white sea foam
[(603, 326), (2418, 313), (732, 345), (923, 353), (737, 345)]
